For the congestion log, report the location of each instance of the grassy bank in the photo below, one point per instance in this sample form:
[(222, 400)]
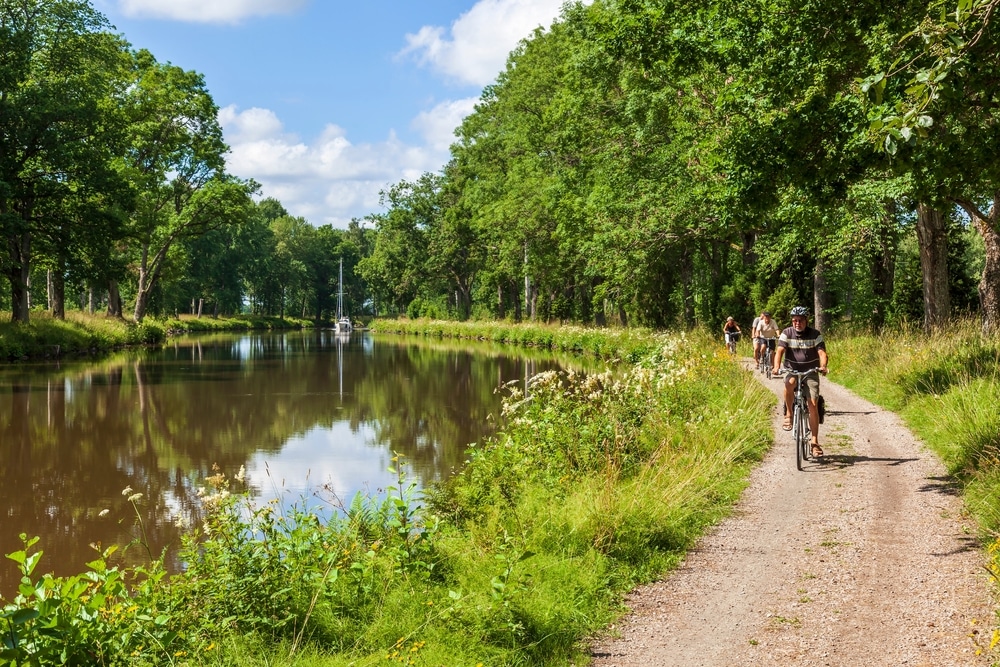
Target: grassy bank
[(45, 337), (594, 484), (609, 343)]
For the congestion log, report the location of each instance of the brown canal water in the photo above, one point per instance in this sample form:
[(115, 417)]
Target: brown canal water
[(311, 417)]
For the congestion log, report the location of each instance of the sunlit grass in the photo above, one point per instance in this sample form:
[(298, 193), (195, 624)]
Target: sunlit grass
[(605, 343)]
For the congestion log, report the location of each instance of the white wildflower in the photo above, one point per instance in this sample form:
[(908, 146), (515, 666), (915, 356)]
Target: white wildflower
[(103, 513), (127, 491), (135, 497), (241, 475)]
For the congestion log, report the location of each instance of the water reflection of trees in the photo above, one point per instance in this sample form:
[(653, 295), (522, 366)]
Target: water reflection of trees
[(71, 440)]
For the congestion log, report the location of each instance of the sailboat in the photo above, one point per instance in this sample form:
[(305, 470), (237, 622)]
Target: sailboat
[(343, 322)]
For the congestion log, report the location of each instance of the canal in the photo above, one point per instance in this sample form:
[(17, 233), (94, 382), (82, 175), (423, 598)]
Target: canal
[(311, 417)]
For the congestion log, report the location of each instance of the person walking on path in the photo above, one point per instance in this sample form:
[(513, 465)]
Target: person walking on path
[(806, 351)]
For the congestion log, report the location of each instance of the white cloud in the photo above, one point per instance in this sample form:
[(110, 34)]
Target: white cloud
[(481, 39), (328, 180), (437, 126), (207, 11)]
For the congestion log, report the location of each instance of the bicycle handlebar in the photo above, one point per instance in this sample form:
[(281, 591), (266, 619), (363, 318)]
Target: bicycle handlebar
[(789, 371)]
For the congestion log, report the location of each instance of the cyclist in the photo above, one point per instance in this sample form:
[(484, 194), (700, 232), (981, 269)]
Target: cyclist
[(731, 331), (755, 340), (767, 333), (806, 351)]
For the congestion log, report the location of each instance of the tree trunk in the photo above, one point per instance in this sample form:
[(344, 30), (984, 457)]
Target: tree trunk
[(90, 300), (518, 314), (501, 313), (114, 300), (821, 297), (18, 273), (687, 294), (933, 240), (57, 294), (989, 283), (883, 266)]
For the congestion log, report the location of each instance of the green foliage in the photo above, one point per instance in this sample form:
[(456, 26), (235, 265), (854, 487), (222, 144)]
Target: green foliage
[(46, 337), (781, 301), (86, 619), (80, 334)]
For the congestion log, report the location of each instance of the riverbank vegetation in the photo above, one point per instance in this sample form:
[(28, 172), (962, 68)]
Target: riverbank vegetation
[(613, 343), (594, 484), (79, 334)]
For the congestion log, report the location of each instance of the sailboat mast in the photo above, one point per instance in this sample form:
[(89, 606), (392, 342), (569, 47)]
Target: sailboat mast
[(340, 291)]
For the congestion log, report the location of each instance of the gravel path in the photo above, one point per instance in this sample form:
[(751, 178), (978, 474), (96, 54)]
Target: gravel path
[(863, 558)]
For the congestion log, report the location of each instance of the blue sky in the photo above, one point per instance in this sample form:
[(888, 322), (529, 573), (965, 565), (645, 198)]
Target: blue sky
[(326, 102)]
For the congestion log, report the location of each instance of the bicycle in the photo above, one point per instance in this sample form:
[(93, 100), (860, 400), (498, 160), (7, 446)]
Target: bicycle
[(800, 417), (731, 339), (767, 357)]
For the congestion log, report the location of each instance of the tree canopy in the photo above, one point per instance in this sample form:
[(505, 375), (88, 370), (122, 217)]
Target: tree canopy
[(638, 161)]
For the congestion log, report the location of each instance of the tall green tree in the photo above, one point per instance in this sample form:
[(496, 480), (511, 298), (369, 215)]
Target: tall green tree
[(60, 69), (176, 163)]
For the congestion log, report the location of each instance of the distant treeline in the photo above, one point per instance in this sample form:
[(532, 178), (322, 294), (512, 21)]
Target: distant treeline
[(643, 163)]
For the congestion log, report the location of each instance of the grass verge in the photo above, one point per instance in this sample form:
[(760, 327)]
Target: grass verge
[(45, 337)]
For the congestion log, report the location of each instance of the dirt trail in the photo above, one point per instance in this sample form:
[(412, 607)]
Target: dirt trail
[(862, 559)]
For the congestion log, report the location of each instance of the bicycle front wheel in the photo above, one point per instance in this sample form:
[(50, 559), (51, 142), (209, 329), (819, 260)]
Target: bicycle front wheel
[(798, 434)]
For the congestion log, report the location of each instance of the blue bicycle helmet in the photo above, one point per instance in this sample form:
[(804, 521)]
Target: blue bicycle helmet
[(799, 311)]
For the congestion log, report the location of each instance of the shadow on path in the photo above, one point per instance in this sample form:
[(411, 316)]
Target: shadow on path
[(841, 461), (945, 485), (830, 413)]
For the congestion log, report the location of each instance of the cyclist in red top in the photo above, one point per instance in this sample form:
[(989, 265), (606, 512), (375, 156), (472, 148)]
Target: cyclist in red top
[(806, 351)]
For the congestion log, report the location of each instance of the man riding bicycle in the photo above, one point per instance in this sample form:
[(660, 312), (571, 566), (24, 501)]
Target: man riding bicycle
[(806, 351), (765, 334)]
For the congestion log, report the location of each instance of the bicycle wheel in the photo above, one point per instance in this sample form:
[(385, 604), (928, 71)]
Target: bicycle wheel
[(767, 363), (801, 435), (803, 430), (798, 433)]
